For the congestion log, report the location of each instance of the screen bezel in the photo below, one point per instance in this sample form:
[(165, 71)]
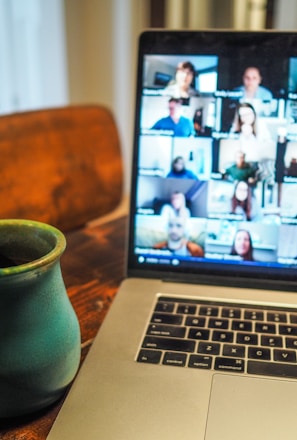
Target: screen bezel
[(275, 44)]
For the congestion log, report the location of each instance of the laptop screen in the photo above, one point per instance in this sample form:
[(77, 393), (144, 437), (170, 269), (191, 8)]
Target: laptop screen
[(214, 187)]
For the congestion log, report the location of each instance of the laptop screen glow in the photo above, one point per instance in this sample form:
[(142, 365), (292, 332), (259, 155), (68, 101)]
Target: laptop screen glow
[(215, 178)]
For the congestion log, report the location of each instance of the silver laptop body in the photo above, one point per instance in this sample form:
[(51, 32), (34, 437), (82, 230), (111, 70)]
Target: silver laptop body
[(200, 341)]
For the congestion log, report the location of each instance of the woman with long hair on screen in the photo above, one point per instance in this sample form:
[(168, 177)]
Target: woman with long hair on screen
[(242, 245), (241, 202), (253, 134), (245, 120)]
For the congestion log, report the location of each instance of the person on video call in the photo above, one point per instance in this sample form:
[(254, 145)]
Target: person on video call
[(241, 201), (175, 122), (245, 125), (251, 87), (176, 208), (245, 120), (179, 170), (254, 138), (242, 245), (292, 169), (181, 86), (241, 170), (177, 242)]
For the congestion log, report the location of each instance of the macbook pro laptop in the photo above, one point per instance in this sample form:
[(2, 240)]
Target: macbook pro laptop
[(201, 339)]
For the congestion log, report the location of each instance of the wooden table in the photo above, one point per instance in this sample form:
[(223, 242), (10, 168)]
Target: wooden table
[(93, 267)]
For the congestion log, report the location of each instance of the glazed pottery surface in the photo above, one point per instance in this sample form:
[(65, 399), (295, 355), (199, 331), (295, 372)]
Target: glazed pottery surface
[(39, 331)]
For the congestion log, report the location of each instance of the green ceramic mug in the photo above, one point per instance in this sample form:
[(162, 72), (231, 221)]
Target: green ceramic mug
[(39, 330)]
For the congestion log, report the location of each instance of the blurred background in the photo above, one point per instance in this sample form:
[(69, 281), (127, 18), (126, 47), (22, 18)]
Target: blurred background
[(59, 52)]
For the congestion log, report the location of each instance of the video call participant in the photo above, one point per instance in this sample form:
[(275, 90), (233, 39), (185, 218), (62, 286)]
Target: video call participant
[(199, 127), (177, 242), (291, 171), (181, 87), (254, 138), (176, 208), (245, 120), (179, 170), (242, 245), (241, 170), (281, 150), (251, 87), (175, 122), (243, 203)]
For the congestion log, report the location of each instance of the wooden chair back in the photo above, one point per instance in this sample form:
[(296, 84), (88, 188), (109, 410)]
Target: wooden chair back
[(61, 166)]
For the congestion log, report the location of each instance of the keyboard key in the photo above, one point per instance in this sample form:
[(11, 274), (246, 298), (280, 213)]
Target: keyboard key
[(218, 323), (272, 341), (186, 309), (265, 328), (166, 330), (254, 315), (276, 317), (231, 313), (170, 344), (149, 356), (200, 361), (195, 321), (234, 350), (209, 348), (228, 364), (163, 306), (209, 311), (195, 333), (243, 326), (163, 318), (259, 353), (222, 336), (175, 359), (272, 369), (293, 318), (285, 355), (291, 343), (289, 330), (247, 339)]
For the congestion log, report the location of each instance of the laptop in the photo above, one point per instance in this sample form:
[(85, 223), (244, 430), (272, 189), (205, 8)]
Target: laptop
[(201, 339)]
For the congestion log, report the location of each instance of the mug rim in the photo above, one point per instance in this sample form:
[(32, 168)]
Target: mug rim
[(46, 259)]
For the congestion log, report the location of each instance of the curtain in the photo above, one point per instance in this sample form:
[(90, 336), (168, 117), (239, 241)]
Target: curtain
[(199, 14)]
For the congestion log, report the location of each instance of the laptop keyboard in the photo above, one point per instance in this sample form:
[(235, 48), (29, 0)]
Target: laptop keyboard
[(222, 337)]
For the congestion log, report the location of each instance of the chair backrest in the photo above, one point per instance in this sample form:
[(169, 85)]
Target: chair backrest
[(62, 166)]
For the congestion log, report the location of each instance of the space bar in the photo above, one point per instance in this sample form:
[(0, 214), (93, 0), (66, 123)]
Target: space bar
[(272, 369)]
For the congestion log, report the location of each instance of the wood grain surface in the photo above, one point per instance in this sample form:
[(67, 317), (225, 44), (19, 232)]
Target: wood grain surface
[(62, 166)]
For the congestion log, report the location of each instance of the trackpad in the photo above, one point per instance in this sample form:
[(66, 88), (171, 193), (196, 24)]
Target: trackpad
[(248, 408)]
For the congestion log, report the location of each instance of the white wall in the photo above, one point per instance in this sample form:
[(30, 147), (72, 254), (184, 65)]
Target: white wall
[(102, 45), (33, 71), (285, 15)]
